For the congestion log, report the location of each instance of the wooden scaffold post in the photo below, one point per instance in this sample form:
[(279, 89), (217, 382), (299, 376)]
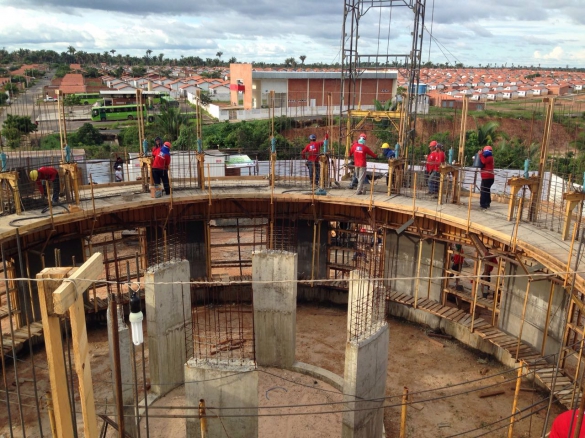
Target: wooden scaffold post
[(61, 290)]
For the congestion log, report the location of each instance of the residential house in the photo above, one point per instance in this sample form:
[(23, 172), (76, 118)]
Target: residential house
[(508, 94)]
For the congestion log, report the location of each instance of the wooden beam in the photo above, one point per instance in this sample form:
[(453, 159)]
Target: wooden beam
[(83, 366), (64, 297), (54, 349), (479, 246)]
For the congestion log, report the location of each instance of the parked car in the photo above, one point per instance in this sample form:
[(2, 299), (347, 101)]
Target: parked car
[(50, 99)]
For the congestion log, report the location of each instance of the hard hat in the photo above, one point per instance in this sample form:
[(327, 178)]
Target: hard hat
[(433, 144), (487, 148), (168, 144), (385, 146), (364, 136), (312, 137), (34, 174)]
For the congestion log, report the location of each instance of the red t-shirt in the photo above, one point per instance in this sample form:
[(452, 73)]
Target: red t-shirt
[(359, 152), (487, 172), (46, 174), (560, 427), (431, 158), (161, 160), (312, 151)]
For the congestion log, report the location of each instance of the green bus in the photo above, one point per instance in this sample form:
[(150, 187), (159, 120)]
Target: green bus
[(118, 112), (88, 98)]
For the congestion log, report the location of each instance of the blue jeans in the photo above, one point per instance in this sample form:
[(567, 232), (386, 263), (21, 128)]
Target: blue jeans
[(434, 182)]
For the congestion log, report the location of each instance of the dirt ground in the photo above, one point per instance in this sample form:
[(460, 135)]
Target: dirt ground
[(441, 375)]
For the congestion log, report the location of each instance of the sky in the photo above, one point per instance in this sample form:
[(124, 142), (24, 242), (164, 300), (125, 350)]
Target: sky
[(473, 32)]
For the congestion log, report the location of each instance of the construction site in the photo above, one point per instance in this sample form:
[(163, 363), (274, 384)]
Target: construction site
[(267, 303)]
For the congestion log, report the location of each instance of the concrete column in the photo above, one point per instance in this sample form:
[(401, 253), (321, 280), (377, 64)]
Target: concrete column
[(128, 394), (274, 287), (220, 384), (168, 315), (366, 363)]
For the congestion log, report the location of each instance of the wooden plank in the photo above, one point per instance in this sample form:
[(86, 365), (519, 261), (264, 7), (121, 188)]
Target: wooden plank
[(66, 294), (54, 349), (83, 367)]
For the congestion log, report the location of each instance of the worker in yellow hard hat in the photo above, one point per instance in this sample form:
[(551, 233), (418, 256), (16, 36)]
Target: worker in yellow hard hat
[(387, 151), (43, 177)]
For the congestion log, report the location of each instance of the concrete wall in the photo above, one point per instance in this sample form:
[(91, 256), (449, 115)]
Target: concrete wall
[(195, 248), (512, 303), (402, 259), (222, 384), (168, 313), (366, 365), (305, 251), (275, 307)]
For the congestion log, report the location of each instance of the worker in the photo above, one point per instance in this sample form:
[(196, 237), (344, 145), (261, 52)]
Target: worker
[(488, 267), (359, 151), (432, 168), (487, 177), (160, 166), (565, 424), (457, 264), (43, 177), (119, 176), (387, 151), (311, 153)]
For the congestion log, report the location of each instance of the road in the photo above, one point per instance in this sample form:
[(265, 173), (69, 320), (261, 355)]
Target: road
[(25, 102)]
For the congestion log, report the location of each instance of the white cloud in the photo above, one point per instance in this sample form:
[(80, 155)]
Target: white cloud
[(556, 54)]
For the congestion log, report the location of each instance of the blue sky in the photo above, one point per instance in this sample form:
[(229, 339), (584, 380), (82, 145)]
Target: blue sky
[(473, 32)]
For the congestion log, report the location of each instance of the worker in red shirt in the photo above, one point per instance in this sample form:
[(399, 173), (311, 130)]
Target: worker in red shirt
[(565, 424), (359, 152), (488, 267), (432, 167), (457, 263), (311, 154), (160, 166), (487, 176), (45, 176)]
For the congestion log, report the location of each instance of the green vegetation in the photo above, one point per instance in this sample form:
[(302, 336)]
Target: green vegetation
[(14, 127), (62, 70)]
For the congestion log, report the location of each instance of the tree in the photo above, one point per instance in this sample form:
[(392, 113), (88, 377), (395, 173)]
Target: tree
[(232, 60), (302, 58), (138, 71), (12, 88), (71, 50), (87, 135), (71, 99), (218, 54), (170, 121), (91, 72), (290, 62), (148, 52), (204, 98), (14, 127), (113, 51), (118, 72), (160, 57)]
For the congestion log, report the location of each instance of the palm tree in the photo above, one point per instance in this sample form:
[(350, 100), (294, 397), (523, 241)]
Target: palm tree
[(160, 58), (487, 133), (232, 60), (113, 51), (148, 52), (218, 54), (71, 50), (302, 58)]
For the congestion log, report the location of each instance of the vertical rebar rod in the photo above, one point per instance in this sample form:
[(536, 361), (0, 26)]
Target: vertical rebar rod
[(515, 402), (145, 390), (26, 315), (134, 370), (16, 379), (113, 309), (4, 379), (71, 382)]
